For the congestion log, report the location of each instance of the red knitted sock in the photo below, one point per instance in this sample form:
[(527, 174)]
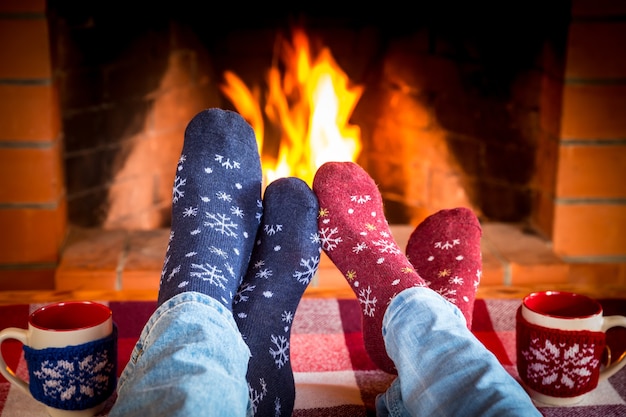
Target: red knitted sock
[(445, 251), (355, 235)]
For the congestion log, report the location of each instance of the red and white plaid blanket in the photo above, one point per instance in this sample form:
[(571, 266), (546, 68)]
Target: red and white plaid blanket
[(333, 374)]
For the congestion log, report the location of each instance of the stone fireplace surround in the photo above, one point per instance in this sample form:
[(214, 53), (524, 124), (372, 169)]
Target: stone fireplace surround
[(515, 116)]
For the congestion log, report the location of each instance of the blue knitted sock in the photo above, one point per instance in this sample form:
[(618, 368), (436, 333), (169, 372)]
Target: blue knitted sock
[(216, 208), (284, 260)]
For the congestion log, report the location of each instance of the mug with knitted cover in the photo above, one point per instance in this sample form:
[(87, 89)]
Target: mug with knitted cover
[(70, 349), (561, 340)]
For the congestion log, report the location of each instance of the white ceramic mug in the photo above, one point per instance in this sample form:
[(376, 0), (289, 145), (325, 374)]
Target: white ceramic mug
[(561, 340), (74, 326)]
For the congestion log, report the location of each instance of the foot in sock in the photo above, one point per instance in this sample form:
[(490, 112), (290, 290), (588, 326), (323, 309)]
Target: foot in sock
[(445, 250), (284, 260), (216, 208), (355, 235)]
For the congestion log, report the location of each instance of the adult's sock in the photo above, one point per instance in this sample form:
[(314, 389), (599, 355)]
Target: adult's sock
[(284, 260), (216, 208), (445, 251), (355, 235)]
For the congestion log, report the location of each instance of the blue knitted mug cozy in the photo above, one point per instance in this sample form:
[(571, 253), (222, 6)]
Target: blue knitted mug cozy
[(74, 377)]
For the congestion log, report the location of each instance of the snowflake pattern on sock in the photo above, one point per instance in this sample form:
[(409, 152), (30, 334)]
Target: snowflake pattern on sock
[(445, 251), (284, 261), (278, 344), (373, 247), (354, 233), (216, 208), (451, 287)]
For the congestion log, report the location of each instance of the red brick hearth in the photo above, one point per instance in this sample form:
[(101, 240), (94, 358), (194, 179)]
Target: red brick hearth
[(94, 102), (132, 260)]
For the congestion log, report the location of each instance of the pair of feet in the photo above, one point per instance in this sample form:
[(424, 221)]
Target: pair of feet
[(443, 252), (257, 256)]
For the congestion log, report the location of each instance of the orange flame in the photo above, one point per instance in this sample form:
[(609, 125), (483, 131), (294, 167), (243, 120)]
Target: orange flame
[(310, 101)]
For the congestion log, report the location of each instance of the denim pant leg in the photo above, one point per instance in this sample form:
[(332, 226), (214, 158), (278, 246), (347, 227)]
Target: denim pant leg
[(443, 370), (190, 360)]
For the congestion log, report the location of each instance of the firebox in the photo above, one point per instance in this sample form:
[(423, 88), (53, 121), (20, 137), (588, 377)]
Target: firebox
[(446, 98)]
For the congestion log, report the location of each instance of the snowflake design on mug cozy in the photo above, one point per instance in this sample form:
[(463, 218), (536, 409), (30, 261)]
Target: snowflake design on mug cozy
[(68, 380), (560, 365)]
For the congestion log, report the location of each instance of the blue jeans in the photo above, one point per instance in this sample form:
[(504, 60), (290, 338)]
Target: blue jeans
[(443, 370), (191, 360)]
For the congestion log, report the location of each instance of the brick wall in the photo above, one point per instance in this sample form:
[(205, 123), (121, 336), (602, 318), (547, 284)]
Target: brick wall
[(32, 191), (590, 193)]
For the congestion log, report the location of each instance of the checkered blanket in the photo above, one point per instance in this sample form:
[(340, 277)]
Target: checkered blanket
[(333, 374)]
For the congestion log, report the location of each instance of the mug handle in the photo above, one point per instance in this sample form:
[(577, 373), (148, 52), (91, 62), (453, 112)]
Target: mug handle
[(607, 323), (21, 336)]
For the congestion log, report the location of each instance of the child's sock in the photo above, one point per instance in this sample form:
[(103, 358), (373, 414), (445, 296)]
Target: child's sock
[(216, 208), (284, 260), (355, 235), (445, 251)]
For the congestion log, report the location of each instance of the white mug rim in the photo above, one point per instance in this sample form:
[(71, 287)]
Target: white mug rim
[(592, 322)]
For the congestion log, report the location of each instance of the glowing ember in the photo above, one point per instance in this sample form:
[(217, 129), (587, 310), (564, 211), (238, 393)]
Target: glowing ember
[(310, 102)]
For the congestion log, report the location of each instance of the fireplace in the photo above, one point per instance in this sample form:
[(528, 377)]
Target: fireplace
[(449, 114), (462, 104)]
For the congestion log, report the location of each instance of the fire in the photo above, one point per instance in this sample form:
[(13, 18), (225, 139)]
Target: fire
[(309, 100)]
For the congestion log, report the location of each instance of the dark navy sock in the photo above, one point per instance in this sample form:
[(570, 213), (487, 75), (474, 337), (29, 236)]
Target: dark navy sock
[(284, 260), (216, 208)]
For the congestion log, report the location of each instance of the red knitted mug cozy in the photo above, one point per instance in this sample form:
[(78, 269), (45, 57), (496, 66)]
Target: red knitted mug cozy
[(558, 363)]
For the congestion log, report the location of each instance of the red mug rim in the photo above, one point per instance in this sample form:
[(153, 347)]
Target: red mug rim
[(69, 316), (562, 304)]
